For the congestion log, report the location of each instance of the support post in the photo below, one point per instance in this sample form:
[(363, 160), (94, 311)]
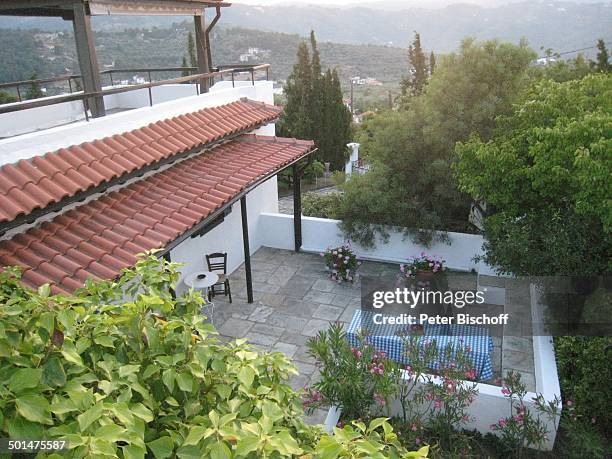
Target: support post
[(247, 250), (297, 207), (201, 50), (88, 61)]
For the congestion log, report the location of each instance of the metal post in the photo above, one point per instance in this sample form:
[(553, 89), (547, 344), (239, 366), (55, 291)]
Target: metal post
[(88, 62), (110, 74), (247, 250), (18, 93), (233, 82), (70, 85), (253, 77), (267, 73), (86, 109), (297, 208)]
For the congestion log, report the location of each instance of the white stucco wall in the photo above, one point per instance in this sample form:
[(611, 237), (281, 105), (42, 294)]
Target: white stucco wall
[(227, 237), (180, 99), (321, 233)]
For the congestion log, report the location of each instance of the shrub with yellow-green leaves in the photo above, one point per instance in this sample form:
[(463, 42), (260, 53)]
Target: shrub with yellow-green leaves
[(122, 369)]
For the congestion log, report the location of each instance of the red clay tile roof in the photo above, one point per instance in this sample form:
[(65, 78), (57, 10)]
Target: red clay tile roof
[(99, 238), (35, 183)]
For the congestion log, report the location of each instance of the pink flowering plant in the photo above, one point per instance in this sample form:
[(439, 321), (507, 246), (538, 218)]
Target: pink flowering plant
[(359, 379), (422, 263), (524, 428), (436, 406), (342, 263)]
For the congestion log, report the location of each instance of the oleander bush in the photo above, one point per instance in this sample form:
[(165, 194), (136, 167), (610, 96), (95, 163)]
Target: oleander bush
[(123, 369), (584, 372)]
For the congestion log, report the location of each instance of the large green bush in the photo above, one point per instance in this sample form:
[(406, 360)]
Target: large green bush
[(122, 369), (321, 205)]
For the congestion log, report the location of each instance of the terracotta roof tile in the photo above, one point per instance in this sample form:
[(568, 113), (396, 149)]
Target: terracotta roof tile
[(47, 179), (99, 238)]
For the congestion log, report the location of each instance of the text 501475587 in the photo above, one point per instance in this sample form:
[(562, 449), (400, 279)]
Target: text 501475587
[(10, 445)]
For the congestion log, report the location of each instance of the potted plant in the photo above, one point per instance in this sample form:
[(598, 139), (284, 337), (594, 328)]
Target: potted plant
[(342, 263), (424, 266)]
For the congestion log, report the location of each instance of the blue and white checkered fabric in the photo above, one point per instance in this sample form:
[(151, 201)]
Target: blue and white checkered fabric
[(388, 338)]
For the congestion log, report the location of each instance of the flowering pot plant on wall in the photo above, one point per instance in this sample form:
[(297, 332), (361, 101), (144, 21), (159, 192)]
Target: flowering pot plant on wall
[(424, 265), (342, 263)]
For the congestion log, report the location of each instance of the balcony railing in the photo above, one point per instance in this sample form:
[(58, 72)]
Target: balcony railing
[(220, 72)]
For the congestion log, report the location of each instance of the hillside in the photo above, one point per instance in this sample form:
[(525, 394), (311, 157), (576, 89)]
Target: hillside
[(561, 25), (25, 51)]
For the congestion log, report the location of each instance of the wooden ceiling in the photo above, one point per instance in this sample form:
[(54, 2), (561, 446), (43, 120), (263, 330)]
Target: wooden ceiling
[(64, 8)]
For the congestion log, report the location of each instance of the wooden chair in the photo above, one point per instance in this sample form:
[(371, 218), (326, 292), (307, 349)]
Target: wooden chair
[(217, 263)]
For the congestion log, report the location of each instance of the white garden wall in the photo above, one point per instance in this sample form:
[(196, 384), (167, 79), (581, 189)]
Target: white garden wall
[(320, 233), (227, 237)]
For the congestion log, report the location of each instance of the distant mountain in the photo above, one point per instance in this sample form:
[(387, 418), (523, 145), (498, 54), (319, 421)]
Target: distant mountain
[(560, 25)]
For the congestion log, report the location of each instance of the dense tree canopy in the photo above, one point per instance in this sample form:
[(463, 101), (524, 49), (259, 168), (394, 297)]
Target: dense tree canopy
[(545, 178), (411, 184)]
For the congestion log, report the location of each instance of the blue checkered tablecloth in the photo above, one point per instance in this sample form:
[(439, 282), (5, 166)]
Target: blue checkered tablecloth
[(390, 339)]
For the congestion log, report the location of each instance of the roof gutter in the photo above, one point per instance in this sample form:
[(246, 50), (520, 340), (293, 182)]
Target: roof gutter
[(208, 30)]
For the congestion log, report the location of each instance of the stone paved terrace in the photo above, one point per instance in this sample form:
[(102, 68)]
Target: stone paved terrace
[(294, 299)]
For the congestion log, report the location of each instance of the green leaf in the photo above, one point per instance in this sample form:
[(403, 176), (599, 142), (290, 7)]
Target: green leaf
[(44, 290), (125, 370), (112, 433), (53, 372), (224, 391), (185, 382), (271, 410), (162, 447), (104, 340), (219, 450), (246, 375), (141, 411), (20, 428), (168, 377), (25, 378), (376, 423), (196, 434), (90, 416), (34, 408), (133, 452), (70, 353), (247, 444)]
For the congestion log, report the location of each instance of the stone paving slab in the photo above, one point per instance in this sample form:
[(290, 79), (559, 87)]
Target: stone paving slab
[(294, 299)]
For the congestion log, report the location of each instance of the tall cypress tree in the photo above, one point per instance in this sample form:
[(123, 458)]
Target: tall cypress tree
[(191, 50), (315, 109), (432, 63), (296, 120), (415, 83), (603, 63)]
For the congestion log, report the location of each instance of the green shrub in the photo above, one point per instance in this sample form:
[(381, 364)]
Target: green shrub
[(585, 374), (321, 205), (145, 376)]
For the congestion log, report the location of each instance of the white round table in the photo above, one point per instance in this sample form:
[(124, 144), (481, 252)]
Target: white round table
[(209, 279)]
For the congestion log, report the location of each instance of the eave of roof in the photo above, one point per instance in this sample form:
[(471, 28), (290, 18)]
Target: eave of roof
[(39, 182), (98, 239)]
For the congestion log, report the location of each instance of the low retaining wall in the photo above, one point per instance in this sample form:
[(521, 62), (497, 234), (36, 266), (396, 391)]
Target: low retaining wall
[(321, 233)]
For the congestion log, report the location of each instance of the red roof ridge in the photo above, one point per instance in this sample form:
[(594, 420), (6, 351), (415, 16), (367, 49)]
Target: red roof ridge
[(35, 183), (274, 139)]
